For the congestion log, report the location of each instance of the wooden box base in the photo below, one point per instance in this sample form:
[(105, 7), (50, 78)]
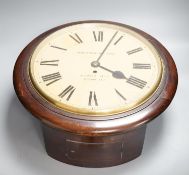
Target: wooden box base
[(96, 151)]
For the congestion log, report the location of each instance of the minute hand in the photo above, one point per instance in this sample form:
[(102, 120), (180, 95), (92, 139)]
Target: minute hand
[(107, 46)]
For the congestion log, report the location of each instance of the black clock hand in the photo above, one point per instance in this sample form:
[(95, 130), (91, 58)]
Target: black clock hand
[(106, 46), (115, 74)]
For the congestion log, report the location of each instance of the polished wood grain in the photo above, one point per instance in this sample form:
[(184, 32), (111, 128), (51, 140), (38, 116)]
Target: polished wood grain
[(89, 151), (60, 124)]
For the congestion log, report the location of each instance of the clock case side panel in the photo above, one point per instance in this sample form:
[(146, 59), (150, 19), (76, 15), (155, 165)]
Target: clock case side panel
[(90, 151), (85, 125)]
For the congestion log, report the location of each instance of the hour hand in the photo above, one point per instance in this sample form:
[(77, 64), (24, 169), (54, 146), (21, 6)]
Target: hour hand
[(118, 75), (115, 74)]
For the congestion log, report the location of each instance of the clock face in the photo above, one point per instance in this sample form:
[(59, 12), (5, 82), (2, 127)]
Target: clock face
[(95, 69)]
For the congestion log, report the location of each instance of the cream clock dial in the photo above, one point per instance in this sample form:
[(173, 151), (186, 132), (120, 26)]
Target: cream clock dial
[(95, 68)]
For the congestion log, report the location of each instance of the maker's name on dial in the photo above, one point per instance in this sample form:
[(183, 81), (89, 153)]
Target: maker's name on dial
[(94, 77)]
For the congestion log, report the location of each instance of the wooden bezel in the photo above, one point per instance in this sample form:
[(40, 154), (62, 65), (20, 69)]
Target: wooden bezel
[(94, 126)]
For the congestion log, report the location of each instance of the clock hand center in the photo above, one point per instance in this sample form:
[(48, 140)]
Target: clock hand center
[(95, 64), (115, 74)]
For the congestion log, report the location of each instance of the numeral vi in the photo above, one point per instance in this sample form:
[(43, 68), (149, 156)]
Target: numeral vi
[(92, 99)]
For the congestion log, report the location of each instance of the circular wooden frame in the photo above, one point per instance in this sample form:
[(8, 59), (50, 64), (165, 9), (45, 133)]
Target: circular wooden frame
[(94, 126)]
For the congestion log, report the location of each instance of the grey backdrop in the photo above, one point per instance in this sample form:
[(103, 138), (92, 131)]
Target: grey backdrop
[(21, 143)]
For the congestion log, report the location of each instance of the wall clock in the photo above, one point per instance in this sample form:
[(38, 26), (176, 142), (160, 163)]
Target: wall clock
[(95, 85)]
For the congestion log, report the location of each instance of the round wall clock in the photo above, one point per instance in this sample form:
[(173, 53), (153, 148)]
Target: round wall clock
[(94, 85)]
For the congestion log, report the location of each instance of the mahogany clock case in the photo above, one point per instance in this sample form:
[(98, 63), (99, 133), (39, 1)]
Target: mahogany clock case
[(117, 138)]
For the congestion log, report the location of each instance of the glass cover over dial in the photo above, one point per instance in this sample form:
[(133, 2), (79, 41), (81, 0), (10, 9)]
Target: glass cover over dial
[(95, 69)]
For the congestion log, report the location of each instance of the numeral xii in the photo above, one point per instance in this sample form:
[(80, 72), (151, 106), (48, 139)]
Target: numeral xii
[(98, 36)]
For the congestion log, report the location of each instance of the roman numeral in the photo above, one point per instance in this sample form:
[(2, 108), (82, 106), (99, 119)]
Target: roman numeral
[(51, 78), (76, 38), (120, 95), (68, 91), (141, 66), (118, 40), (50, 63), (135, 50), (56, 47), (98, 37), (92, 97), (136, 82)]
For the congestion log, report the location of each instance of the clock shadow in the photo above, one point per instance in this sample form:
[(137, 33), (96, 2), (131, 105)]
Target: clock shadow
[(26, 145)]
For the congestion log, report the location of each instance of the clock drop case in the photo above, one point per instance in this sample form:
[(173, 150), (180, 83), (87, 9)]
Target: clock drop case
[(95, 85)]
